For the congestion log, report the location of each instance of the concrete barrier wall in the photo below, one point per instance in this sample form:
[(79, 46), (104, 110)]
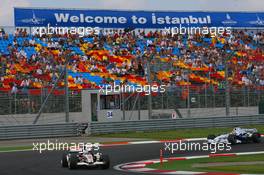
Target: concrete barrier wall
[(118, 115), (41, 130), (45, 118), (195, 112)]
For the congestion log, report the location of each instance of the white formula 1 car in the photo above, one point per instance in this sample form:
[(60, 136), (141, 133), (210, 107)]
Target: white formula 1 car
[(85, 156), (238, 135)]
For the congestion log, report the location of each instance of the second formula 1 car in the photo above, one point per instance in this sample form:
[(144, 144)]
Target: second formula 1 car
[(238, 135)]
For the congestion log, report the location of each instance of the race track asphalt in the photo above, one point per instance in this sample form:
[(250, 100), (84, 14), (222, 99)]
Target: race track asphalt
[(48, 163)]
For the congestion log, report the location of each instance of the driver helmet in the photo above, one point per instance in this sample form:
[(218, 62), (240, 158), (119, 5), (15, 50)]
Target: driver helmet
[(236, 129), (87, 149)]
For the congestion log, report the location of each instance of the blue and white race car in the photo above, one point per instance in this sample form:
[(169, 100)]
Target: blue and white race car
[(238, 135)]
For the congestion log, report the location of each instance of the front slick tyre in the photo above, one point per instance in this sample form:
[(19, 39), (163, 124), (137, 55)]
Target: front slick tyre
[(73, 160), (232, 139), (105, 159), (64, 162), (256, 137)]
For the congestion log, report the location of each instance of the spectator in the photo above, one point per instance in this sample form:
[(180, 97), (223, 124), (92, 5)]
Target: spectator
[(14, 89)]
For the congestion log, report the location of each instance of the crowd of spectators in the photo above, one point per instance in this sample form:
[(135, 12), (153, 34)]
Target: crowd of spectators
[(33, 62)]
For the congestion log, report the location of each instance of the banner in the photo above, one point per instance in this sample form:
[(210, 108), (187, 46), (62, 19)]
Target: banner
[(134, 19)]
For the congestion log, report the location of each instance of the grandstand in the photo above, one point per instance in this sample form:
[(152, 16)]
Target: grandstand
[(122, 55)]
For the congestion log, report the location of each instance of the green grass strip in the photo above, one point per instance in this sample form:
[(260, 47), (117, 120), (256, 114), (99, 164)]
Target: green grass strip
[(187, 165), (177, 133)]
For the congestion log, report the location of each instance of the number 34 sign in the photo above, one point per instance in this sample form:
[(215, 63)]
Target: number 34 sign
[(109, 114)]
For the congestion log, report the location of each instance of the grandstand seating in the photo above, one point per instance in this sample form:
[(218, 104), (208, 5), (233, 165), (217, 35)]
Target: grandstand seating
[(121, 58)]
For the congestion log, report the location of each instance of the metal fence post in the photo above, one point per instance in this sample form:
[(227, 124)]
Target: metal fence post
[(139, 107), (66, 90), (10, 102), (227, 88), (214, 97), (29, 102), (162, 101), (123, 106), (248, 101), (150, 95), (188, 100), (15, 95), (205, 95), (244, 95)]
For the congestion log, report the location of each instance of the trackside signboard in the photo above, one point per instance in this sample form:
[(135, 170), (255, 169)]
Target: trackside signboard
[(134, 19)]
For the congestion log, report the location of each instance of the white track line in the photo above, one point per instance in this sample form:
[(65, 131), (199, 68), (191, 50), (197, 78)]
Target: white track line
[(142, 169), (130, 143)]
